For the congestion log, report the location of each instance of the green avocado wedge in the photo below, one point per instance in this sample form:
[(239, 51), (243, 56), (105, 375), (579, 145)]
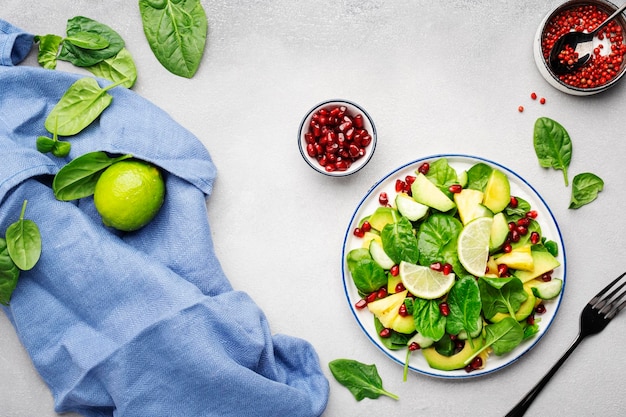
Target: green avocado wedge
[(457, 361)]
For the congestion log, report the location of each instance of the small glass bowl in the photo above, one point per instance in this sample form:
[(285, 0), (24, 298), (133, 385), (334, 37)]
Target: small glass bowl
[(542, 64), (351, 109)]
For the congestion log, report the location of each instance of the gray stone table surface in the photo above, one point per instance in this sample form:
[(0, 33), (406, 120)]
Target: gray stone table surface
[(431, 88)]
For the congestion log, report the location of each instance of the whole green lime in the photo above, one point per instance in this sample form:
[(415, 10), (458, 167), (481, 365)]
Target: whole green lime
[(129, 194)]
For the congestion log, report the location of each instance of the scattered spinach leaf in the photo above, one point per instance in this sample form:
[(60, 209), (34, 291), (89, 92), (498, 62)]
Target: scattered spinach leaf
[(77, 179), (48, 50), (399, 242), (9, 273), (80, 105), (553, 145), (176, 31), (88, 40), (82, 57), (121, 67), (585, 189), (24, 242), (362, 380)]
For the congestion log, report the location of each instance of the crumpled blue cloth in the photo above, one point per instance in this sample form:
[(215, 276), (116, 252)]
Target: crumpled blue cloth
[(141, 324)]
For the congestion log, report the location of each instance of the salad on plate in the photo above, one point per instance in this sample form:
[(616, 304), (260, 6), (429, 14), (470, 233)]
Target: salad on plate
[(453, 266)]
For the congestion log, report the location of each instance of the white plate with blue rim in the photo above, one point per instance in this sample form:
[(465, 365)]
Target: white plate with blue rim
[(365, 319)]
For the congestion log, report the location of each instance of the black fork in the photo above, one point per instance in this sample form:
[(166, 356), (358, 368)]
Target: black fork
[(593, 319)]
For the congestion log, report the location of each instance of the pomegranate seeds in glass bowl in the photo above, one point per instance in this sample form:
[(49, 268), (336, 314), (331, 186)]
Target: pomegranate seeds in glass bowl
[(605, 68), (337, 137)]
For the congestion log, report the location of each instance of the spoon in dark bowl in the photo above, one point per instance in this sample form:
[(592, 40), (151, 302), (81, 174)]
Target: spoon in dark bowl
[(581, 43)]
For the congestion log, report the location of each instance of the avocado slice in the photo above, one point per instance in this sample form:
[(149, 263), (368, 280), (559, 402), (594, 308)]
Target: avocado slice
[(497, 191), (427, 193), (543, 262), (457, 361), (383, 216)]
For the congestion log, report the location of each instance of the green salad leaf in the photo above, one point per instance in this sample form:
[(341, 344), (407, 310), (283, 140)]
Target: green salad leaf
[(362, 380), (77, 29), (399, 242), (585, 189), (553, 145)]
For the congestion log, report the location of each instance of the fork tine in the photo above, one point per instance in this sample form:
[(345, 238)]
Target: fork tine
[(607, 305), (597, 301)]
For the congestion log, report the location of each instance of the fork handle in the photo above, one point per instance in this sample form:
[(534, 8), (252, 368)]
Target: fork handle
[(520, 409)]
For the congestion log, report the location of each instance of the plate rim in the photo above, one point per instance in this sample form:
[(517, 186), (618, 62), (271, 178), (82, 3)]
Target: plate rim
[(347, 279)]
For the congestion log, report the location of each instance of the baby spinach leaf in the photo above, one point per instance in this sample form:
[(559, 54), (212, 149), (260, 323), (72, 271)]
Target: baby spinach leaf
[(478, 176), (176, 31), (362, 380), (82, 57), (9, 274), (504, 335), (48, 50), (399, 242), (395, 341), (501, 295), (24, 242), (120, 68), (522, 208), (80, 105), (88, 40), (437, 240), (428, 318), (77, 179), (367, 275), (553, 145), (442, 174), (585, 189), (465, 306)]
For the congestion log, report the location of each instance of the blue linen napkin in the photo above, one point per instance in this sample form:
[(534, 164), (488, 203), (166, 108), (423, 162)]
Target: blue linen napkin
[(141, 324)]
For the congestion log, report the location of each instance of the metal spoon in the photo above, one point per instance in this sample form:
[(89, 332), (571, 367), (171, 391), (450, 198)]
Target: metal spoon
[(580, 42)]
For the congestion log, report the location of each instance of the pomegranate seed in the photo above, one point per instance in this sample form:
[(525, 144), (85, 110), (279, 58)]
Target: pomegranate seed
[(394, 271), (540, 309), (414, 346), (524, 221), (542, 100), (455, 188), (399, 185), (530, 319), (424, 168), (535, 238), (361, 304), (533, 96), (522, 230), (507, 248), (513, 203), (371, 297), (399, 287), (447, 269), (532, 214), (366, 226), (512, 226), (382, 293), (444, 309), (477, 362), (503, 270), (383, 199), (547, 276), (402, 310), (514, 235), (385, 333), (409, 179), (358, 121), (358, 232), (520, 109)]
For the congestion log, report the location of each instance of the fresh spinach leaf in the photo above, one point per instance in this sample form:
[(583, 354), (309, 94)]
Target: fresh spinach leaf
[(88, 40), (120, 68), (24, 242), (442, 175), (80, 105), (428, 318), (399, 242), (478, 176), (58, 148), (502, 337), (48, 50), (465, 306), (553, 145), (437, 241), (522, 208), (501, 295), (367, 275), (77, 179), (585, 189), (176, 31), (445, 346), (82, 57), (362, 380), (9, 274)]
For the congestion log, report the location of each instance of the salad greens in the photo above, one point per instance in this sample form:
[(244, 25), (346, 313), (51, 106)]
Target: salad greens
[(585, 189), (492, 313), (362, 380)]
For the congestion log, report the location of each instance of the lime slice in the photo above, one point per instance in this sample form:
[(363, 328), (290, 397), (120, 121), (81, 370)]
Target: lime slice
[(473, 245), (423, 282)]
